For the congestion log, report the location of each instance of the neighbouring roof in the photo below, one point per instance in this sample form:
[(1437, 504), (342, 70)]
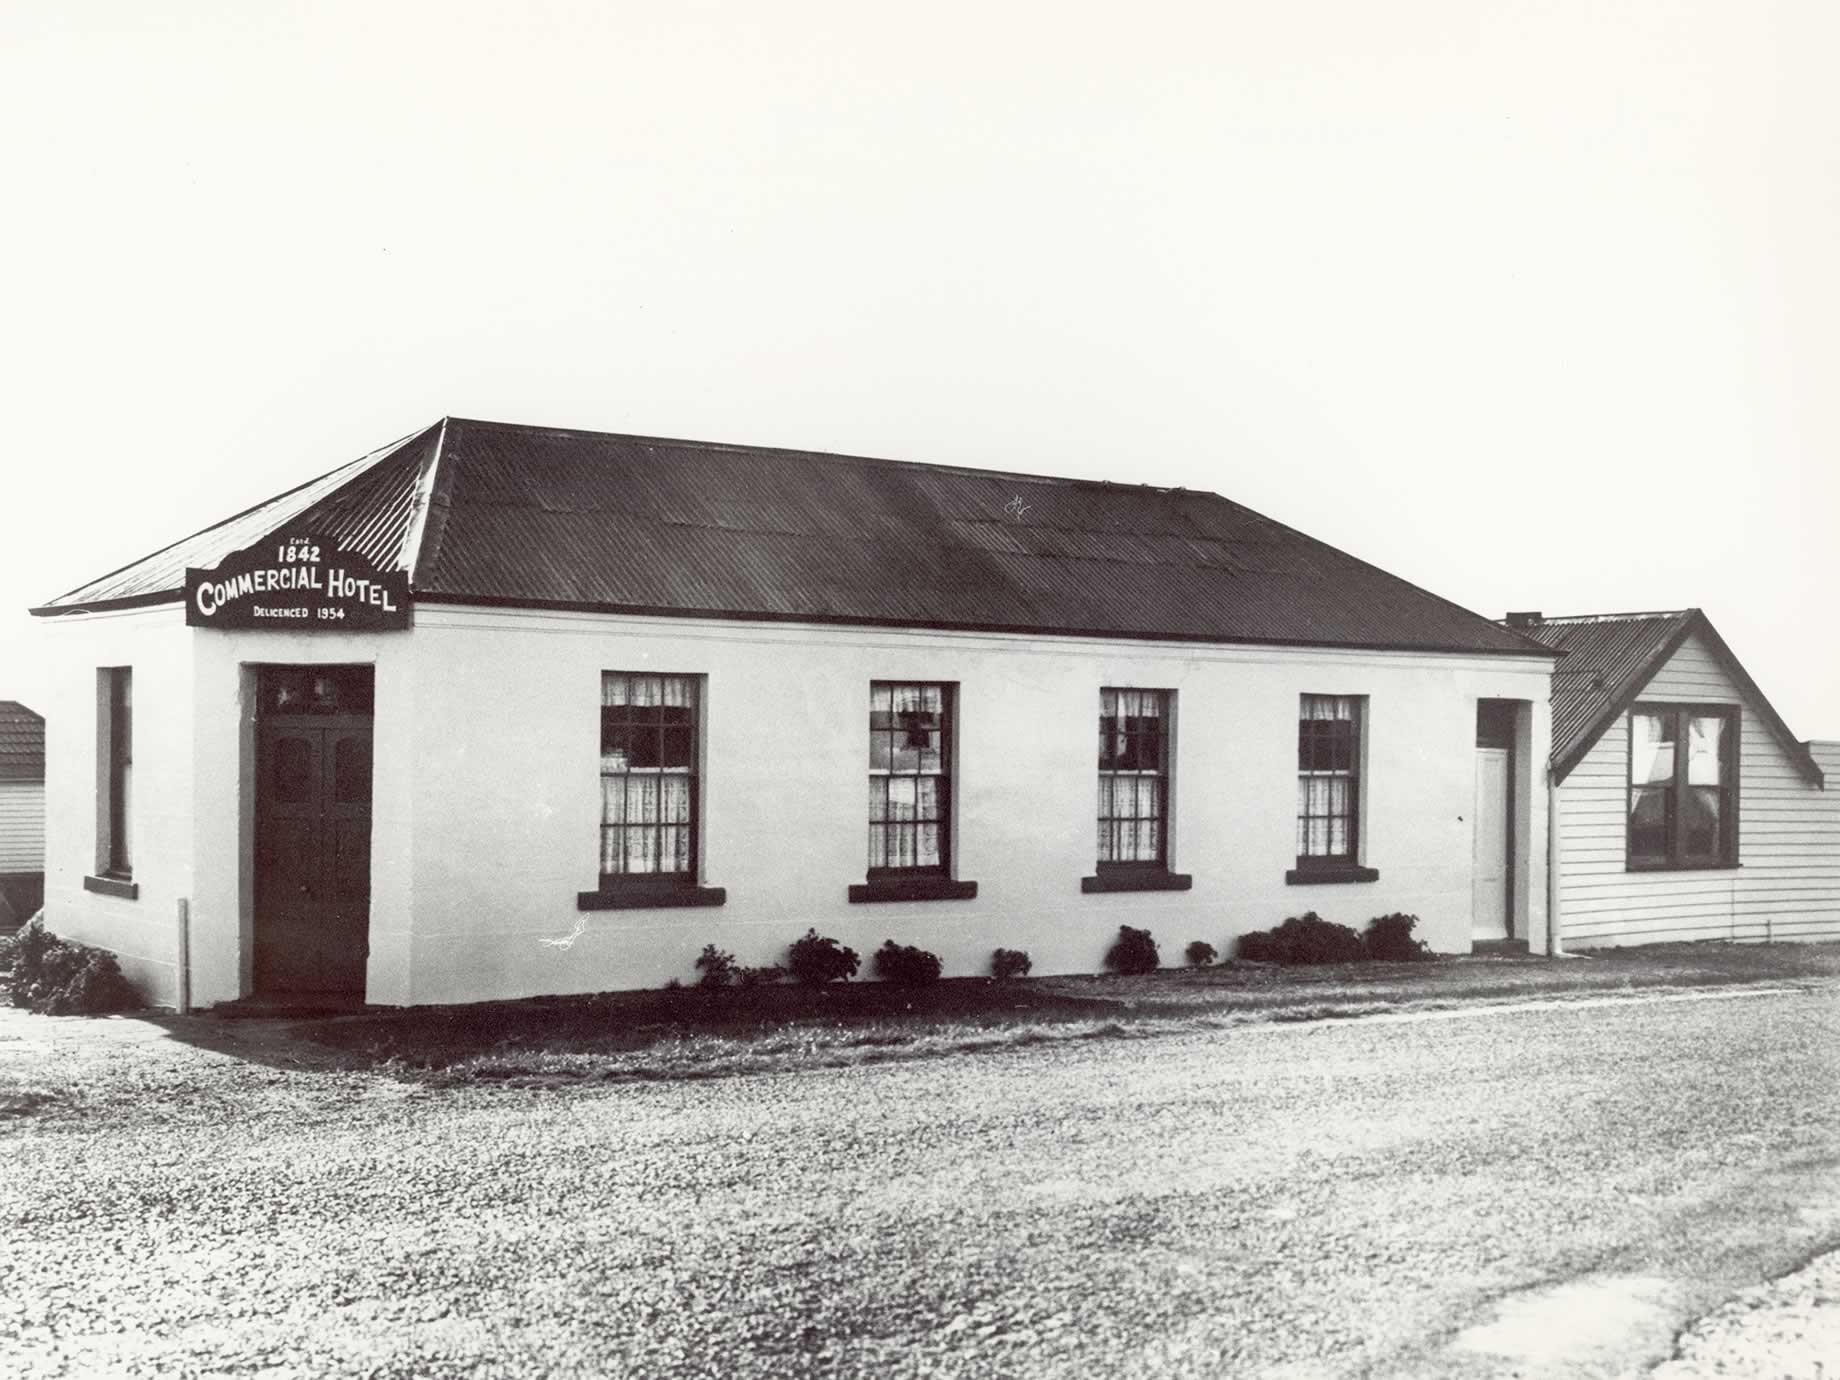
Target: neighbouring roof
[(489, 513), (1610, 659), (22, 743)]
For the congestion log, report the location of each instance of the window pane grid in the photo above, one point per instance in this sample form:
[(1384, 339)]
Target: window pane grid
[(1682, 806), (909, 778), (1133, 776), (648, 774), (1328, 778)]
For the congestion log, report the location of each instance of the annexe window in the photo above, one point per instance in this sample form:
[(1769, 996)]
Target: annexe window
[(910, 780), (117, 685), (649, 726), (1683, 774), (1133, 778), (1328, 781)]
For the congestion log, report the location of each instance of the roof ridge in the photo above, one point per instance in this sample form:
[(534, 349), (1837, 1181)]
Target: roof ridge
[(1546, 621), (745, 448), (430, 488), (359, 468)]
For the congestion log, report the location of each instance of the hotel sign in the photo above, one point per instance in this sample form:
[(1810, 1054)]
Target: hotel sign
[(297, 584)]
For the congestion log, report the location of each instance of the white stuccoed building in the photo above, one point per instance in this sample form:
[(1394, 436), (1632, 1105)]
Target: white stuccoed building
[(500, 711)]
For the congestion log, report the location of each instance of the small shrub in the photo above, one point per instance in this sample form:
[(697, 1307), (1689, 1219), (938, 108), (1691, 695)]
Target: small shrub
[(1200, 954), (56, 977), (747, 978), (1134, 951), (906, 965), (1389, 939), (817, 959), (1009, 963), (1303, 939), (718, 968)]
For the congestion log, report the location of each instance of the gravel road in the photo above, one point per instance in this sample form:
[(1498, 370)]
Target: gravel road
[(1540, 1192)]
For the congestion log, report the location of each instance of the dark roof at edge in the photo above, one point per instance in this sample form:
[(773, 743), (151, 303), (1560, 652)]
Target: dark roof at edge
[(554, 518), (22, 743), (1610, 659)]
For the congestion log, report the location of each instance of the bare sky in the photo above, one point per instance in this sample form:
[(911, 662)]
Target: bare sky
[(1535, 304)]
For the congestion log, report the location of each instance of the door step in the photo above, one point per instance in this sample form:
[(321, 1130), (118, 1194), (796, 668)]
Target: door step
[(288, 1006), (1499, 948)]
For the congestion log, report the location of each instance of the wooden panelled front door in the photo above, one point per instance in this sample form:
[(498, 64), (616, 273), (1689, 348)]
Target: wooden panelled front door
[(313, 854)]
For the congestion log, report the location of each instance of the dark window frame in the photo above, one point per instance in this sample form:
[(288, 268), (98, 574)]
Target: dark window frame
[(1677, 858), (1345, 865), (116, 859), (1161, 773), (674, 880), (945, 779)]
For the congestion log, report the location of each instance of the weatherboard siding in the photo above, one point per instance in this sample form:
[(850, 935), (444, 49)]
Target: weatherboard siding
[(1788, 883), (22, 826)]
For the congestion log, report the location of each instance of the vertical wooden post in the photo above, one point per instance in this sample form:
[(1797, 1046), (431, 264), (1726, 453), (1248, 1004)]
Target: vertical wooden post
[(184, 937), (1555, 911)]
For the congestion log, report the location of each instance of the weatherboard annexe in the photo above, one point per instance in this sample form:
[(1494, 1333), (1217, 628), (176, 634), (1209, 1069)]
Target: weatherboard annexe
[(1782, 880)]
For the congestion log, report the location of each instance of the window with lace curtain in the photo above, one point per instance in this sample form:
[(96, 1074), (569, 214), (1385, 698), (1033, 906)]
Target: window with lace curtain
[(649, 728), (1328, 781), (910, 779), (1133, 778)]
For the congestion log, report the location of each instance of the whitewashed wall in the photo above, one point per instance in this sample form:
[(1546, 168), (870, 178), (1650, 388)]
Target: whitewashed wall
[(22, 826), (506, 794), (141, 931), (486, 796), (1788, 884)]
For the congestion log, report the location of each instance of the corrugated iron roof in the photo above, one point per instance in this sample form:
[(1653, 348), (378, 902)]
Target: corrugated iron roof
[(541, 517), (1609, 660), (22, 743), (528, 515), (364, 505), (1603, 654)]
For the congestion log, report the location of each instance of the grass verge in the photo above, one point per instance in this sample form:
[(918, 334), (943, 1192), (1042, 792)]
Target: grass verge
[(686, 1034)]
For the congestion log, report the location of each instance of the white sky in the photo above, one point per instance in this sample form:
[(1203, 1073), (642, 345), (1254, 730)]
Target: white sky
[(1535, 304)]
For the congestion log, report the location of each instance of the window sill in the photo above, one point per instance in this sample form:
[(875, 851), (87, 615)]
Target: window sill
[(650, 897), (1149, 879), (113, 886), (913, 889), (1682, 867), (1328, 876)]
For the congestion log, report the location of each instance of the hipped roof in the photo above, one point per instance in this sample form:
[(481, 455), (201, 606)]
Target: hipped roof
[(495, 514), (1610, 659)]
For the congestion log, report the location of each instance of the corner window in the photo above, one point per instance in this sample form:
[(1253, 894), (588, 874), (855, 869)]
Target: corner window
[(910, 779), (649, 728), (1133, 778), (115, 759), (1329, 781), (1683, 803)]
